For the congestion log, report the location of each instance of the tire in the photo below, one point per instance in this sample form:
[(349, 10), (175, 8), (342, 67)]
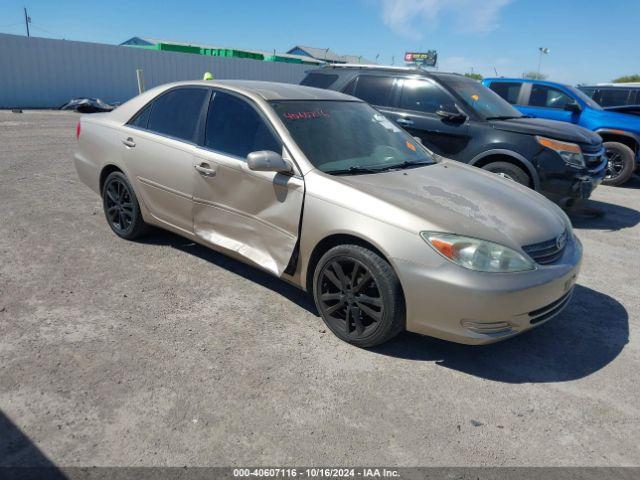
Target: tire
[(121, 207), (365, 307), (621, 164), (510, 171)]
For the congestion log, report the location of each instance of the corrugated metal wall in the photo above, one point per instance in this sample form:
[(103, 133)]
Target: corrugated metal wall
[(46, 73)]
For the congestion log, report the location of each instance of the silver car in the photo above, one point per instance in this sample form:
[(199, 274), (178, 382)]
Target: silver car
[(321, 190)]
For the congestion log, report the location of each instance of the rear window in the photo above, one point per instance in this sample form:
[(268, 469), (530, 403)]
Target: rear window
[(373, 89), (319, 80), (177, 113), (142, 118), (510, 91)]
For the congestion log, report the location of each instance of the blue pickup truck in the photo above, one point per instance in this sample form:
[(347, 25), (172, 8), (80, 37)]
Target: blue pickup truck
[(619, 131)]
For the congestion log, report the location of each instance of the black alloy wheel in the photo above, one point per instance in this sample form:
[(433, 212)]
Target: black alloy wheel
[(358, 295), (620, 163), (118, 205), (349, 297), (121, 207)]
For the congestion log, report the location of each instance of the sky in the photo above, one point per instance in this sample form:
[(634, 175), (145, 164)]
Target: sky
[(589, 41)]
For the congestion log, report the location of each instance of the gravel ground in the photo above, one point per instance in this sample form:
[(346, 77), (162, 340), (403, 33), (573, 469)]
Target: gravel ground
[(162, 352)]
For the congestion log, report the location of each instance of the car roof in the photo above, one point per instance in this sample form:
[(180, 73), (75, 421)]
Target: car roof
[(526, 80), (384, 68), (255, 90), (272, 90), (612, 85)]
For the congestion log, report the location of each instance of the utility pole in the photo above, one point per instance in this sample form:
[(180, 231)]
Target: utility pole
[(543, 51), (27, 21)]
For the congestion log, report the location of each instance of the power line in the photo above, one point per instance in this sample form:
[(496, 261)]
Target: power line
[(37, 27)]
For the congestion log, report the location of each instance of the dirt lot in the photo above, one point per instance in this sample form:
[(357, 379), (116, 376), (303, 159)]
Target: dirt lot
[(162, 352)]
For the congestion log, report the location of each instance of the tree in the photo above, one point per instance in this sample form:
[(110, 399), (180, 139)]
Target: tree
[(628, 79), (534, 75), (475, 76)]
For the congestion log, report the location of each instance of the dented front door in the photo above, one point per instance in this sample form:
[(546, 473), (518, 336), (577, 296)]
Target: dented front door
[(251, 215), (254, 215)]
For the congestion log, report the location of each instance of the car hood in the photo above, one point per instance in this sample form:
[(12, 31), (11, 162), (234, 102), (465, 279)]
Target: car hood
[(617, 120), (456, 198), (563, 131), (627, 109)]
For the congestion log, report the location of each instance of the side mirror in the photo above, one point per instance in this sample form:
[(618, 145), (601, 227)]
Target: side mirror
[(451, 114), (268, 161), (573, 107), (418, 139)]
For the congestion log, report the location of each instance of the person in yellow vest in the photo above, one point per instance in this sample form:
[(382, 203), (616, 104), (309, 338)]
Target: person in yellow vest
[(207, 76)]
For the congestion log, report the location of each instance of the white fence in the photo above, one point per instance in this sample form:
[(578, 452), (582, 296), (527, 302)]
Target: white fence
[(46, 73)]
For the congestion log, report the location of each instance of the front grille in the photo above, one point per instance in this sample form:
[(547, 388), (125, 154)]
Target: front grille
[(547, 252), (545, 313)]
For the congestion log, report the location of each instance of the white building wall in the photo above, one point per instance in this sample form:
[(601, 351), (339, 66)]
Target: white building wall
[(46, 73)]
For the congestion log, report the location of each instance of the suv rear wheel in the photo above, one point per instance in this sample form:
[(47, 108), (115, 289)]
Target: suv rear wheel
[(510, 171), (620, 163), (358, 296)]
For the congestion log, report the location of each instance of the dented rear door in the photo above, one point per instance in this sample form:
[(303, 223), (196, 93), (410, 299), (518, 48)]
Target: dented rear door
[(251, 215)]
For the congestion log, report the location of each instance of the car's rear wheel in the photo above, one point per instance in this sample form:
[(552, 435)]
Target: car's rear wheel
[(121, 207), (620, 163), (358, 296), (510, 171)]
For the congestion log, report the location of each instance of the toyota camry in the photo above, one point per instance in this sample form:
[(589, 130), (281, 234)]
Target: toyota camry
[(320, 189)]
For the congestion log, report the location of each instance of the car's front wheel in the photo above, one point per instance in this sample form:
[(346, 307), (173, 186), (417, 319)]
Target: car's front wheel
[(121, 207), (358, 296), (620, 163), (510, 171)]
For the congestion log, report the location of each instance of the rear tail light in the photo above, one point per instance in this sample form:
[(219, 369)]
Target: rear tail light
[(78, 130)]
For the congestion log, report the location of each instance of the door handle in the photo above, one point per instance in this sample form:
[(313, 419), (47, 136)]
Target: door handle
[(129, 142), (405, 122), (205, 170)]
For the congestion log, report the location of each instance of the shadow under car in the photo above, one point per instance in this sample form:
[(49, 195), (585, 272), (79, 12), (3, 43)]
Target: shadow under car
[(585, 337)]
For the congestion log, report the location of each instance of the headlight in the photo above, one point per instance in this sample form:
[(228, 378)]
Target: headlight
[(476, 254), (570, 152)]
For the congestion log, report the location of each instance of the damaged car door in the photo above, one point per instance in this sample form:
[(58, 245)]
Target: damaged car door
[(248, 213)]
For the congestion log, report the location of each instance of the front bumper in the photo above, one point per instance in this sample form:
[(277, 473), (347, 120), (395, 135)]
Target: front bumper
[(464, 306), (559, 181)]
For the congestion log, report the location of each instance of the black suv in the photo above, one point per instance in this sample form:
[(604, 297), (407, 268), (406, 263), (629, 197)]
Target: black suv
[(459, 118)]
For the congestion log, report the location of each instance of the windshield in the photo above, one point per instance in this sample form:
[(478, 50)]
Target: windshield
[(349, 137), (591, 103), (484, 101)]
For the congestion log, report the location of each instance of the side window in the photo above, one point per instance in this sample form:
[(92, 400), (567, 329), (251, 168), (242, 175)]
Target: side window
[(423, 96), (319, 80), (549, 97), (510, 91), (177, 112), (235, 128), (142, 118), (374, 89), (614, 97)]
